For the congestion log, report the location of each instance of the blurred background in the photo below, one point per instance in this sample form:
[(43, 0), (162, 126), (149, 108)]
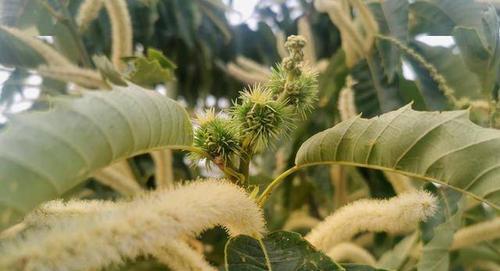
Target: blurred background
[(219, 47)]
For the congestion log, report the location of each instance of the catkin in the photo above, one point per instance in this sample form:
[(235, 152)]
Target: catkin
[(139, 227), (346, 105), (244, 75), (471, 235), (118, 180), (87, 12), (71, 73), (121, 31), (400, 214), (350, 252), (400, 183)]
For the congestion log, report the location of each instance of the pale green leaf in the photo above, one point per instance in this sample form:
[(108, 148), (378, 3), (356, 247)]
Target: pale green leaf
[(445, 148), (152, 69), (392, 18), (438, 231), (438, 17), (16, 53), (108, 70), (45, 153)]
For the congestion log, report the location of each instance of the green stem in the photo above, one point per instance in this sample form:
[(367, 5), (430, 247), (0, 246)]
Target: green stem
[(244, 168), (274, 184)]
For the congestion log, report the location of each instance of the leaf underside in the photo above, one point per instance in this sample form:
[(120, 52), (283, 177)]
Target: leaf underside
[(445, 147), (45, 153)]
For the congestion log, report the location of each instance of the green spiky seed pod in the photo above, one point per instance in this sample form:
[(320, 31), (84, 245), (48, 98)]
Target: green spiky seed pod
[(301, 93), (291, 83), (217, 137), (260, 118)]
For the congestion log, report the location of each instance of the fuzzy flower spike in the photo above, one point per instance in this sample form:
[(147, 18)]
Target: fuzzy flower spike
[(291, 82), (400, 214), (144, 226)]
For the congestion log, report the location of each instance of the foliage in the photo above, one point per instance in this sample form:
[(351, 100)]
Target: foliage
[(91, 177)]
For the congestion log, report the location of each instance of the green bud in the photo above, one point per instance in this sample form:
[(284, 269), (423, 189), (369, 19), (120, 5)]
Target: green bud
[(300, 92), (260, 118), (217, 137)]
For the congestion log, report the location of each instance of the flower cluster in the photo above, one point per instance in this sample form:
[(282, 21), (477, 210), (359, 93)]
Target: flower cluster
[(262, 113)]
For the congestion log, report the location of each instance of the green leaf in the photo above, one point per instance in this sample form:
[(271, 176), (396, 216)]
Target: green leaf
[(438, 17), (438, 231), (278, 251), (24, 14), (17, 53), (481, 52), (108, 70), (392, 18), (451, 67), (151, 70), (359, 267), (45, 153), (373, 94), (438, 147)]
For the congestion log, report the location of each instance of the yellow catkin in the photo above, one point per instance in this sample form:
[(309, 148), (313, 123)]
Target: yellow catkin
[(142, 226), (352, 253), (87, 12), (352, 40), (346, 105), (399, 182), (253, 66), (400, 214), (51, 56), (474, 234), (304, 29), (178, 256), (121, 31), (83, 77), (300, 220), (244, 75), (164, 174), (369, 23)]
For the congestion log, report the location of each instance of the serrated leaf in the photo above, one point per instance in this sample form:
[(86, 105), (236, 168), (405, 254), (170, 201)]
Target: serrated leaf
[(373, 94), (451, 67), (445, 148), (438, 17), (153, 69), (438, 231), (480, 49), (45, 153), (278, 251), (108, 70)]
